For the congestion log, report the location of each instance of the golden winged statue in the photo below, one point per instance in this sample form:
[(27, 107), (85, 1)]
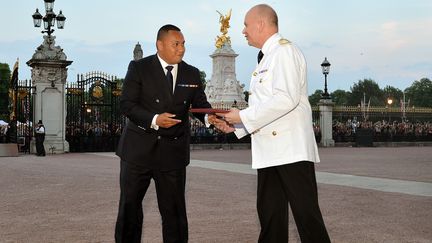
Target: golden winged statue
[(224, 21)]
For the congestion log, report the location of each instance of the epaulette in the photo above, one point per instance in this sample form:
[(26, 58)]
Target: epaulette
[(284, 41)]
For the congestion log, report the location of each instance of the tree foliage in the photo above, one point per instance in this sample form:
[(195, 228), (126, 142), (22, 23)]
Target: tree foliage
[(5, 73), (392, 92), (246, 96), (340, 97), (203, 76), (420, 93), (366, 90), (315, 97)]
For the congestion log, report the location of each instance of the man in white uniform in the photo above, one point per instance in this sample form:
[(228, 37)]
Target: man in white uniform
[(279, 119)]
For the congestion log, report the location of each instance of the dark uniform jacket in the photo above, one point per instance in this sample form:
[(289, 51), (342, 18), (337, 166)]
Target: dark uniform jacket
[(145, 93)]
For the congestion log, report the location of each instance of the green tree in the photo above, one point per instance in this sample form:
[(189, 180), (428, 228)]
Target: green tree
[(366, 89), (420, 93), (5, 73), (315, 97), (203, 76), (393, 93), (246, 95), (340, 97)]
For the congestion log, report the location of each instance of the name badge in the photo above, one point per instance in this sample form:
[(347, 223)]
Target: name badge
[(188, 85), (259, 72)]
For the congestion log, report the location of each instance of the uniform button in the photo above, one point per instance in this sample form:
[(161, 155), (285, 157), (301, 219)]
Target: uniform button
[(157, 100), (159, 137), (175, 138), (184, 102), (260, 80), (254, 73), (274, 133)]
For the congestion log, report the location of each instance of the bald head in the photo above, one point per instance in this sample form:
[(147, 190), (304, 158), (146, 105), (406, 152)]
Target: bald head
[(266, 13), (261, 22)]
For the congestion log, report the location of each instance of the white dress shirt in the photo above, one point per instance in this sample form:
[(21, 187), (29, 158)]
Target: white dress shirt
[(174, 74)]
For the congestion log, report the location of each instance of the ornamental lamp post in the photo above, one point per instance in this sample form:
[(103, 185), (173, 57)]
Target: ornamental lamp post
[(49, 18), (49, 73), (325, 65)]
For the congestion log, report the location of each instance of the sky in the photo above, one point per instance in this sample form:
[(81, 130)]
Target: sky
[(389, 41)]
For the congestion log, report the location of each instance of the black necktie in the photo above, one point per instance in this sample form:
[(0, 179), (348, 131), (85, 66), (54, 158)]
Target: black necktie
[(170, 77), (260, 56)]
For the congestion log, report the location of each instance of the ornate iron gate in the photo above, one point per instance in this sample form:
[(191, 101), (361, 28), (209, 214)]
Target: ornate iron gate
[(20, 125), (93, 120)]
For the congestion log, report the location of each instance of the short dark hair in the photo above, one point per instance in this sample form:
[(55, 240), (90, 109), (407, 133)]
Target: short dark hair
[(164, 30)]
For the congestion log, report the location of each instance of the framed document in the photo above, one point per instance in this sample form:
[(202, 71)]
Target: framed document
[(208, 110)]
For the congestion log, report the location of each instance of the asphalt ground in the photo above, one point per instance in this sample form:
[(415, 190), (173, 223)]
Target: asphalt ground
[(365, 194)]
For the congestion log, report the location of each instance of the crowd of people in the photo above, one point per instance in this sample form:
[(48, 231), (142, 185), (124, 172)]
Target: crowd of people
[(92, 137), (16, 132), (3, 132), (393, 131)]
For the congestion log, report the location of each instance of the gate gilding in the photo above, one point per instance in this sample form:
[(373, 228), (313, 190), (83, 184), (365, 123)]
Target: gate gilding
[(93, 120)]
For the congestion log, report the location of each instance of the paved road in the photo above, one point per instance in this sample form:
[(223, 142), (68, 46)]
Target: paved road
[(366, 195)]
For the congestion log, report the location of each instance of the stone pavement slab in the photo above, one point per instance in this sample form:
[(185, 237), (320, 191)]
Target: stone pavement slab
[(74, 197), (385, 185)]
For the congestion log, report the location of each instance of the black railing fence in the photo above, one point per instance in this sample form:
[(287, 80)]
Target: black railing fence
[(94, 122), (16, 115), (386, 124)]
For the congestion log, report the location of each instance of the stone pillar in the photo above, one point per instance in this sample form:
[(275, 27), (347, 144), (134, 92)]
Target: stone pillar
[(224, 88), (326, 119), (49, 73)]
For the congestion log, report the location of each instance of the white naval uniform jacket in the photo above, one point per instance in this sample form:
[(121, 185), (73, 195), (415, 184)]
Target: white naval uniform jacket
[(279, 116)]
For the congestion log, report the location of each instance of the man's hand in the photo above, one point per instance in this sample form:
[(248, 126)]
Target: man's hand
[(232, 117), (220, 124), (166, 120)]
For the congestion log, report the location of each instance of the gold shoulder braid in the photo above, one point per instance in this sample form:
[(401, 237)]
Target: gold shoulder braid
[(284, 41)]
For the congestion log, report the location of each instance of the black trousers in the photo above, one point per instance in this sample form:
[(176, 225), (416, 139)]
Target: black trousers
[(170, 190), (40, 150), (293, 184)]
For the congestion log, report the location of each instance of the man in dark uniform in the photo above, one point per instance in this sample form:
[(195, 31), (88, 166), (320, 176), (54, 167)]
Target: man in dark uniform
[(40, 138), (158, 91)]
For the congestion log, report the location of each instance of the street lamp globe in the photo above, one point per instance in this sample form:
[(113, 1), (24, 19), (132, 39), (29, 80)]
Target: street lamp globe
[(325, 65), (389, 101), (37, 18), (60, 20), (49, 5), (46, 22)]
